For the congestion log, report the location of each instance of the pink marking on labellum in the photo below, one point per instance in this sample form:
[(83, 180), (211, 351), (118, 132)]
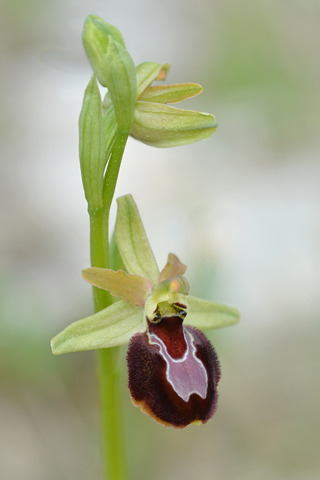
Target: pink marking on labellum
[(186, 374)]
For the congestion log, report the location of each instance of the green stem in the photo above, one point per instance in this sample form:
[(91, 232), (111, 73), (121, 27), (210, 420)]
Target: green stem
[(113, 439), (99, 250), (113, 447)]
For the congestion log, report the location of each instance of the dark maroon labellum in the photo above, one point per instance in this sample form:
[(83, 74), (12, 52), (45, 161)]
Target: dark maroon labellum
[(173, 373)]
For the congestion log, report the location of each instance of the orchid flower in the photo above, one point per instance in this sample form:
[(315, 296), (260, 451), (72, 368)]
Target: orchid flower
[(173, 369)]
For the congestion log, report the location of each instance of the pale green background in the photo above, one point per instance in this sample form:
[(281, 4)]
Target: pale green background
[(241, 209)]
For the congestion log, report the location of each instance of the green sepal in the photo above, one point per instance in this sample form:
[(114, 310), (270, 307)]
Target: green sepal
[(121, 82), (160, 125), (170, 93), (132, 289), (132, 241), (95, 37), (92, 144), (148, 72), (172, 268), (204, 315), (111, 327)]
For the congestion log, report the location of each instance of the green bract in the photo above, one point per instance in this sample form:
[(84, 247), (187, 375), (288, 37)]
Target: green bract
[(97, 132), (92, 144), (144, 292), (121, 83)]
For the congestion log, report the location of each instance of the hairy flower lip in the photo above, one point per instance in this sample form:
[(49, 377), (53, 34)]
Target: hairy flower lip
[(161, 386)]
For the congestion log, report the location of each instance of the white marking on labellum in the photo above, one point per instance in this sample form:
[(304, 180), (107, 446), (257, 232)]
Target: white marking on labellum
[(187, 374)]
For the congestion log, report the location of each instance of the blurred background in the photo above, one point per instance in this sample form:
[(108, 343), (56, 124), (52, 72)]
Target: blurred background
[(240, 209)]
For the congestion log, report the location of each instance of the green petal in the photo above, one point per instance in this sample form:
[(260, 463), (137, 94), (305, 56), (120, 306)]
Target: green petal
[(148, 72), (164, 126), (113, 326), (173, 268), (171, 93), (132, 289), (204, 315), (132, 241)]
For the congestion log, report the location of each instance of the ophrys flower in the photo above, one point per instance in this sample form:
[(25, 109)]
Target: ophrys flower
[(173, 369)]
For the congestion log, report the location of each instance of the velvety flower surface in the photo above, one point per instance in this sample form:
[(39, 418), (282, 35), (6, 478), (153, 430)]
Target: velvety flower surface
[(173, 374), (173, 369)]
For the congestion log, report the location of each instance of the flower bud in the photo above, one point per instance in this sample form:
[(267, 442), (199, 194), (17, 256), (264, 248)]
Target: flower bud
[(113, 67), (95, 38)]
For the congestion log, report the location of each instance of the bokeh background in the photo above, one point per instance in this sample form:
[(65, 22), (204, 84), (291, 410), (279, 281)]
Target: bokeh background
[(241, 209)]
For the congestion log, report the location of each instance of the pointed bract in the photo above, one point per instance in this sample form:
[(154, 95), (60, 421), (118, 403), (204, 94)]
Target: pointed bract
[(92, 144), (121, 82)]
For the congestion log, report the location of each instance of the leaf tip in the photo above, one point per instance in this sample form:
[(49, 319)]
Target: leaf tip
[(53, 349)]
